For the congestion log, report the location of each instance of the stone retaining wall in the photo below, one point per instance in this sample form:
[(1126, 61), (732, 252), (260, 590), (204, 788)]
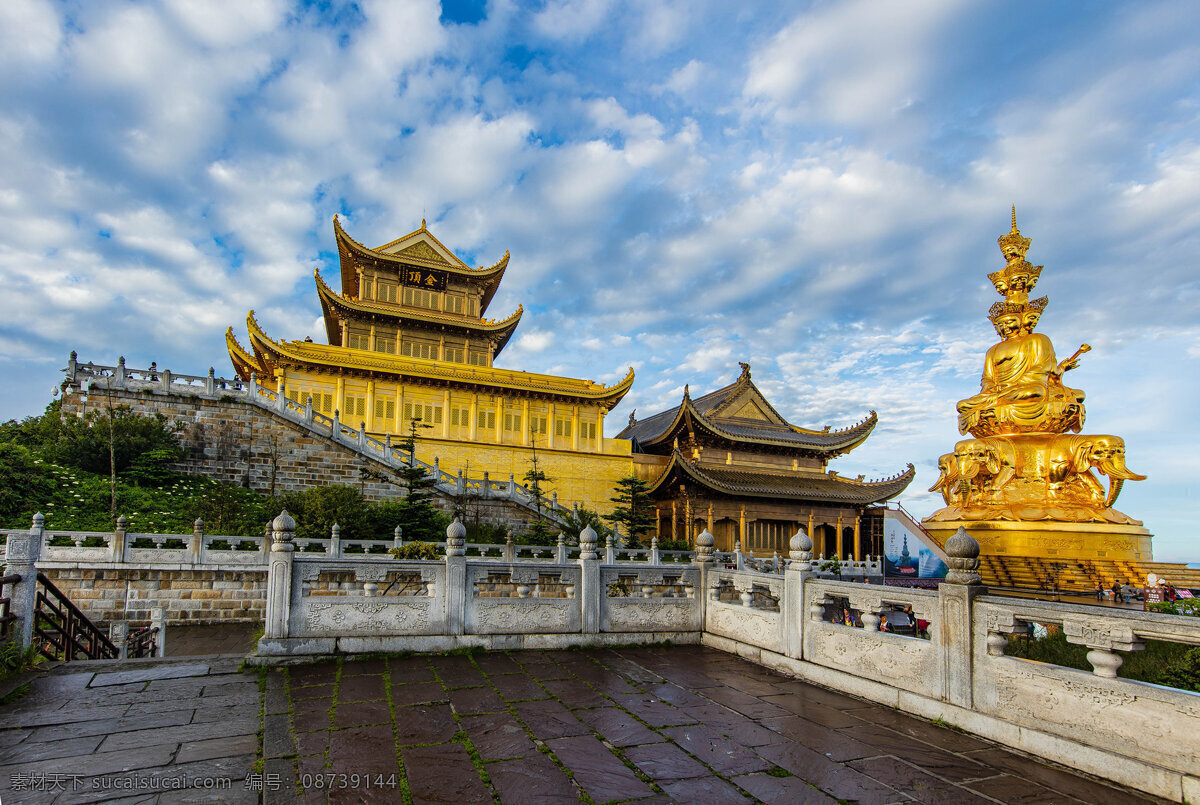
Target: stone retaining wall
[(188, 596), (227, 439)]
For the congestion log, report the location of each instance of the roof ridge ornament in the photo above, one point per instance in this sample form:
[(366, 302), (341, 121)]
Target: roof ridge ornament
[(745, 370)]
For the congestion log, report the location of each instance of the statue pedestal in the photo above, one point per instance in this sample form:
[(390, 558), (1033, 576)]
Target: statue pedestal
[(1048, 539)]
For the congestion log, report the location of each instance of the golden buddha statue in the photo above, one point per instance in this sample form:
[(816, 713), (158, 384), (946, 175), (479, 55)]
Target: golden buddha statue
[(1022, 466), (1022, 390)]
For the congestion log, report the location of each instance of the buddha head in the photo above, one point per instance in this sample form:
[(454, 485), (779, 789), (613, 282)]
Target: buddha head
[(1006, 318)]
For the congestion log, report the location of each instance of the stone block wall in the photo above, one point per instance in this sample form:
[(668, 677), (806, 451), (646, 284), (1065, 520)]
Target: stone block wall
[(188, 596), (230, 440)]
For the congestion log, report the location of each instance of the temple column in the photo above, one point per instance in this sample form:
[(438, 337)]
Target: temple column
[(370, 412), (710, 519), (687, 518), (811, 535), (340, 400), (442, 348), (674, 519), (526, 423), (499, 419), (600, 430), (345, 336), (371, 339), (742, 525), (838, 541), (446, 414), (397, 427), (858, 537), (551, 423), (474, 416), (574, 427)]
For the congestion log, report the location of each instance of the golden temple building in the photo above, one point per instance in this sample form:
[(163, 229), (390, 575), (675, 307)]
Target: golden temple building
[(729, 462), (408, 341), (1025, 483)]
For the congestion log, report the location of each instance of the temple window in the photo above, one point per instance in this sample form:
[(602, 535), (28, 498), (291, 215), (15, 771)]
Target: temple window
[(385, 292), (455, 303), (429, 414), (453, 354), (385, 408), (419, 349), (358, 341), (587, 430), (486, 420), (419, 297), (460, 417), (387, 345), (355, 406), (537, 424), (512, 420), (562, 428), (478, 358)]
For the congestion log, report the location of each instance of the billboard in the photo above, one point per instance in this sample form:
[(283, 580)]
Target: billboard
[(909, 553)]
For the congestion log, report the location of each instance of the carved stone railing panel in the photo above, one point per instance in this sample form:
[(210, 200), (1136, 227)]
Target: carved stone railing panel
[(522, 615), (745, 624), (650, 614)]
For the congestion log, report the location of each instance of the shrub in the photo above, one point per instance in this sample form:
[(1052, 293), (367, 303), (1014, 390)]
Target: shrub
[(1184, 673), (417, 550)]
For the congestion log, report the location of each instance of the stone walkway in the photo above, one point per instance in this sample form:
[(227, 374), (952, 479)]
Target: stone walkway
[(682, 724), (679, 724)]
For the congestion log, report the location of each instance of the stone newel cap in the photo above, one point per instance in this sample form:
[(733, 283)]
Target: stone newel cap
[(800, 546), (456, 530), (283, 522), (704, 539), (588, 534)]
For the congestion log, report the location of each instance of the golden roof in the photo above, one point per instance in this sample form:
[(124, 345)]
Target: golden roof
[(351, 253), (335, 306), (269, 355)]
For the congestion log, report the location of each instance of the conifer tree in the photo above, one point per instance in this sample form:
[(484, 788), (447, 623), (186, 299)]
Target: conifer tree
[(634, 513), (540, 530), (418, 518)]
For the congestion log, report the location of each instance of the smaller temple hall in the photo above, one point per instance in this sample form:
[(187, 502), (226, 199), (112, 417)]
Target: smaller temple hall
[(730, 463)]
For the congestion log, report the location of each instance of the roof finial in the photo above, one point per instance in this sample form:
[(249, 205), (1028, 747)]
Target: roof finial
[(745, 370), (686, 392), (1014, 210)]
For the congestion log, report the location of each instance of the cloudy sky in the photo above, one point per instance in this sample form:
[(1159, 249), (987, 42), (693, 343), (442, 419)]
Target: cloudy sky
[(815, 188)]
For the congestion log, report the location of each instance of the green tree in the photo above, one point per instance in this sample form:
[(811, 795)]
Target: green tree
[(634, 514), (416, 515), (315, 510), (540, 531)]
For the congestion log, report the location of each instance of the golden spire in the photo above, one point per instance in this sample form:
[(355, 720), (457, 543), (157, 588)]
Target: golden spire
[(1012, 245)]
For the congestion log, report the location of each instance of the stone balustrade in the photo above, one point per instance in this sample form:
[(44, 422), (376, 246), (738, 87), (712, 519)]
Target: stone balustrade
[(1137, 734)]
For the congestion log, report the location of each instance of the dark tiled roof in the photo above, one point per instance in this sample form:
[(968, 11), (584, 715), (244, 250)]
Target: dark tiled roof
[(793, 485)]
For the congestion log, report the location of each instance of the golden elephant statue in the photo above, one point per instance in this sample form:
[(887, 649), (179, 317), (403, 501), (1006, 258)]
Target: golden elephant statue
[(1070, 457), (984, 466)]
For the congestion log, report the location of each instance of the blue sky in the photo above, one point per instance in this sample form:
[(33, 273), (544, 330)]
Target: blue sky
[(813, 188)]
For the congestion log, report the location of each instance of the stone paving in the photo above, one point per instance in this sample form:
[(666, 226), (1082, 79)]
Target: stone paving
[(678, 724), (138, 731)]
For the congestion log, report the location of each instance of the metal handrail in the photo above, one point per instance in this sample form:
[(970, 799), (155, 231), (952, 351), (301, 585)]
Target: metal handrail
[(7, 619), (63, 632)]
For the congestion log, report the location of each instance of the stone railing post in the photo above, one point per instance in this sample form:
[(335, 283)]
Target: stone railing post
[(119, 374), (210, 383), (737, 555), (118, 633), (554, 500), (590, 592), (510, 549), (116, 549), (279, 576), (512, 487), (655, 559), (485, 491), (702, 559), (955, 603), (793, 612), (21, 557), (460, 486), (158, 620), (266, 543), (164, 379), (335, 541), (72, 365), (398, 538), (561, 553), (456, 577), (610, 553), (195, 553)]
